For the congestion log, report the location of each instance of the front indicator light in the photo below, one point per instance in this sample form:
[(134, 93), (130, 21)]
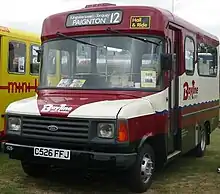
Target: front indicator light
[(122, 131)]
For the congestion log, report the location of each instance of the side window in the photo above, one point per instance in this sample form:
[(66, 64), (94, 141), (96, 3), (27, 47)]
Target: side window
[(34, 65), (17, 57), (189, 56), (207, 60)]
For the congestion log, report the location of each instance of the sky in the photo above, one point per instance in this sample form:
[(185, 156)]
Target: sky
[(29, 15)]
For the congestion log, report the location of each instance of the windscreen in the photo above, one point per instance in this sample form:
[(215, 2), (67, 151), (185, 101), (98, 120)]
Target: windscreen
[(113, 62)]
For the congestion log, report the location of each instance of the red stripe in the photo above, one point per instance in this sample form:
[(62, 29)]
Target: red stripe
[(33, 87), (199, 117), (29, 87), (3, 87), (198, 107)]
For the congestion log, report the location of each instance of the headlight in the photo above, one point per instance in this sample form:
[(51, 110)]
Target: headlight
[(105, 130), (14, 124)]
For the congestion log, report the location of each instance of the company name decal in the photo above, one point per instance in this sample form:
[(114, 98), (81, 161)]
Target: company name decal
[(190, 92), (60, 108)]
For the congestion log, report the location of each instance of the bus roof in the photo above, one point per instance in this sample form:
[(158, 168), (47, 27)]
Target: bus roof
[(159, 20), (6, 31)]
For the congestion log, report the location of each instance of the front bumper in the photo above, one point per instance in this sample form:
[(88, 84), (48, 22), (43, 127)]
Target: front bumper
[(78, 158)]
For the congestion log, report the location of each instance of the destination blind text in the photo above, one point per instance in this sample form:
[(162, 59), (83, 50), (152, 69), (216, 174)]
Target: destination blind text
[(94, 18)]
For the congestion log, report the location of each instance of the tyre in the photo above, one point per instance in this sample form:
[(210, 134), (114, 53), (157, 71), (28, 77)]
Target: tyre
[(201, 147), (35, 170), (141, 174)]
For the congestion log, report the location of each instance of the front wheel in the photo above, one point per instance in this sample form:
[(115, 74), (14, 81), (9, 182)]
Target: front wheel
[(141, 174), (35, 170)]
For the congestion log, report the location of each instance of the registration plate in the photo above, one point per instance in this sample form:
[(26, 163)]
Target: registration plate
[(52, 153)]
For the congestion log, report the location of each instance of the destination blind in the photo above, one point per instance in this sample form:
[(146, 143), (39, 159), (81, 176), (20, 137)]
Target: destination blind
[(94, 18)]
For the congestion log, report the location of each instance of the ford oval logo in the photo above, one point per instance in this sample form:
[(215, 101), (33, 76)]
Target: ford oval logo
[(52, 128)]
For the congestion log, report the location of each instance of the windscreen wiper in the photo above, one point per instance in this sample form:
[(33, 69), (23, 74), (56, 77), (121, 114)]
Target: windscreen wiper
[(75, 39), (131, 36)]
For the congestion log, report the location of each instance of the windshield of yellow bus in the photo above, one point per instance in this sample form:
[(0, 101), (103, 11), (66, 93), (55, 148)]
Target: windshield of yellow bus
[(115, 62)]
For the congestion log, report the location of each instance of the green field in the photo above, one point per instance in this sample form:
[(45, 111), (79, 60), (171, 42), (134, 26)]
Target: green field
[(185, 175)]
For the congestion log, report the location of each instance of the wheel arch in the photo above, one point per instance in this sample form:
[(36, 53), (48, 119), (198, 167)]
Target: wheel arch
[(158, 144)]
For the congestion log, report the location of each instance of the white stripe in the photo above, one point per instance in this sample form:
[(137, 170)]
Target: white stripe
[(26, 106)]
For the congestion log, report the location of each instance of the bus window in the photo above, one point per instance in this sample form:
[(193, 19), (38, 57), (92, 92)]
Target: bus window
[(189, 56), (207, 60), (34, 65), (17, 57)]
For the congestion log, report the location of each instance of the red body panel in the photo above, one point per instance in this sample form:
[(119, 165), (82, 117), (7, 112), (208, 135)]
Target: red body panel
[(56, 22), (76, 98), (158, 123), (199, 115), (159, 20), (151, 125)]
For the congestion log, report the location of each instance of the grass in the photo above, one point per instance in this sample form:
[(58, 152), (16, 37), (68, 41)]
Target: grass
[(185, 175)]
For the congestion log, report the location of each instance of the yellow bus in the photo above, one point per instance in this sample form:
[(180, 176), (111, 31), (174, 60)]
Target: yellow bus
[(19, 67)]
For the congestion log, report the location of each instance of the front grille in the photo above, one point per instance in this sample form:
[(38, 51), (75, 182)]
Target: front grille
[(69, 130)]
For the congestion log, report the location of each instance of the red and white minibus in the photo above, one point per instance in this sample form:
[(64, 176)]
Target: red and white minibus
[(128, 87)]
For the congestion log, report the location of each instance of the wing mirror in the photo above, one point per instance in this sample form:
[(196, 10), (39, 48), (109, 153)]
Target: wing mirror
[(166, 60)]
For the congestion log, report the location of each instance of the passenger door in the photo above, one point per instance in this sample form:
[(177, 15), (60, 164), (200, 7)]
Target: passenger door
[(174, 136)]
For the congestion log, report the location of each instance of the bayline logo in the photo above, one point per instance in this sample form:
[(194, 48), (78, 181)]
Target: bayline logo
[(190, 92), (60, 108)]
